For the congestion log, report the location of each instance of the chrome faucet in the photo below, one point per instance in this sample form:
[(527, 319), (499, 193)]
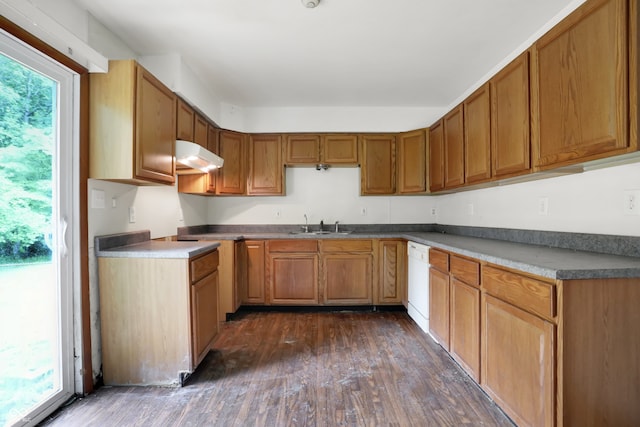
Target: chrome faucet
[(305, 227), (321, 224), (337, 227)]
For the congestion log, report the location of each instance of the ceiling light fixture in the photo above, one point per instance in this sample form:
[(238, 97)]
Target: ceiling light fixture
[(310, 3)]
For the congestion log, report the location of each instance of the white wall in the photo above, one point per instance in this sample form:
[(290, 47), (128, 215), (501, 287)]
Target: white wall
[(331, 195)]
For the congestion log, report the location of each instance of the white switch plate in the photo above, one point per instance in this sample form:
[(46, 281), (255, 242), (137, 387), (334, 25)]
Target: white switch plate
[(132, 214), (631, 202), (543, 206), (97, 199)]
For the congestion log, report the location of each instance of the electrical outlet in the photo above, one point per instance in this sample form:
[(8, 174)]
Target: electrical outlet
[(543, 206), (631, 202), (132, 214), (434, 211), (278, 213), (97, 199), (363, 211)]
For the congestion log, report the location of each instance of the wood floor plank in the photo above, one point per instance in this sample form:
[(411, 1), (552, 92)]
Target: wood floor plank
[(305, 369)]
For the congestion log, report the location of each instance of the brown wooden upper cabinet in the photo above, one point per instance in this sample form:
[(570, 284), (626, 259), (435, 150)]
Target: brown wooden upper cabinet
[(580, 86), (135, 146), (184, 120), (232, 177), (311, 149), (510, 123), (266, 171), (339, 149), (200, 131), (436, 157), (477, 136), (453, 124), (412, 162), (378, 172)]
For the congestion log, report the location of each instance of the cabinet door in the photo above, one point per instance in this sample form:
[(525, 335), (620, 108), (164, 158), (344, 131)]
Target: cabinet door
[(477, 136), (232, 177), (439, 306), (155, 129), (465, 327), (392, 272), (204, 315), (412, 162), (436, 157), (510, 123), (212, 145), (184, 120), (293, 278), (518, 353), (378, 172), (201, 131), (254, 293), (302, 149), (339, 149), (347, 278), (580, 87), (266, 172), (454, 148)]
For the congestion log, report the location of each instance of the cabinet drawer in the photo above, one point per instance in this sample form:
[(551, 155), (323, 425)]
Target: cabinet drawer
[(465, 270), (204, 265), (346, 245), (529, 294), (293, 246), (439, 259)]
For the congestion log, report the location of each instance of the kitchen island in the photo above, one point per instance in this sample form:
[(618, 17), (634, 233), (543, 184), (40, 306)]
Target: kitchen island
[(158, 307)]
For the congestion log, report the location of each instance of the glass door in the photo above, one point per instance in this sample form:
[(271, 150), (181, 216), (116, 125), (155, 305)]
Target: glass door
[(36, 210)]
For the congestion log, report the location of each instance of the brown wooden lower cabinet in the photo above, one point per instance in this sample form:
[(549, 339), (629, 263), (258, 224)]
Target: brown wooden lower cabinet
[(518, 351), (347, 271), (392, 271), (254, 291), (292, 272), (439, 306), (464, 337)]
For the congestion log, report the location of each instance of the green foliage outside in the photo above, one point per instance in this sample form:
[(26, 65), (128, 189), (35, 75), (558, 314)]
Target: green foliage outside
[(26, 144)]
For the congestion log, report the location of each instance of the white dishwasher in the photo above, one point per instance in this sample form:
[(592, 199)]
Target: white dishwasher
[(418, 307)]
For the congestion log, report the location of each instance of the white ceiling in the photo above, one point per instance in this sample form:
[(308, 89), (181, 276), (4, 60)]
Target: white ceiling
[(277, 53)]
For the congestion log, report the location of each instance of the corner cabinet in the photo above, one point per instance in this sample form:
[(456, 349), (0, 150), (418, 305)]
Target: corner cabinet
[(170, 309), (453, 124), (580, 86), (133, 126)]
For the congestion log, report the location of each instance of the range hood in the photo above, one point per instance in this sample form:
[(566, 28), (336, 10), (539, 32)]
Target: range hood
[(193, 158)]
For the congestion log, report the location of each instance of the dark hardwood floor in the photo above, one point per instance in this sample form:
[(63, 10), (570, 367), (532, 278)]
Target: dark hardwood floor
[(305, 369)]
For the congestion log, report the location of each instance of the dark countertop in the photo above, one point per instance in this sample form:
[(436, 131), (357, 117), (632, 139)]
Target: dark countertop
[(545, 261), (138, 245)]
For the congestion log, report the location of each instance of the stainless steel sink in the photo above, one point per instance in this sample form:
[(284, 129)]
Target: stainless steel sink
[(320, 233)]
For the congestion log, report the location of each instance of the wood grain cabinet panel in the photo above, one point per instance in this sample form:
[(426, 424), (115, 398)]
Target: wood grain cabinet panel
[(518, 354), (339, 149), (580, 86), (392, 272), (204, 315), (436, 157), (184, 120), (293, 278), (510, 119), (439, 306), (201, 131), (347, 278), (453, 124), (412, 162), (266, 170), (378, 171), (465, 326), (254, 292), (302, 149), (136, 145), (477, 136), (232, 177)]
